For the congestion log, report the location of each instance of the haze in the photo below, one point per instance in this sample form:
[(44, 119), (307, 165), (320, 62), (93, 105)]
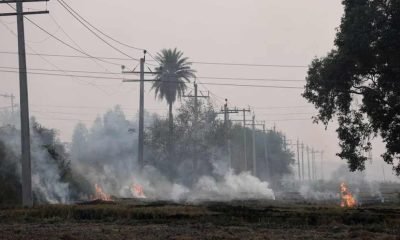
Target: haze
[(251, 31)]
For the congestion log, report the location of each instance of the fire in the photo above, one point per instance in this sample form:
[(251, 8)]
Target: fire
[(347, 199), (100, 194), (137, 191)]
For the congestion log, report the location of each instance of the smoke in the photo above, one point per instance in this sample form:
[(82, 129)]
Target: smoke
[(243, 186), (46, 183), (106, 153), (309, 192)]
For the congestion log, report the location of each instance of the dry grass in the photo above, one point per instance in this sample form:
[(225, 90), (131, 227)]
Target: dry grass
[(236, 220)]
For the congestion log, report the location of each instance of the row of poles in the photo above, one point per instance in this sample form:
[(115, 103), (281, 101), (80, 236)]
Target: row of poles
[(308, 165)]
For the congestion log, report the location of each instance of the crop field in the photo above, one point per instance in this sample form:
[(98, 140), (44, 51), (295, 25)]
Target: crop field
[(212, 220)]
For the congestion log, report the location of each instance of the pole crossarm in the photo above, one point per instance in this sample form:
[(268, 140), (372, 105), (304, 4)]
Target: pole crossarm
[(229, 111), (24, 13), (136, 72), (24, 1)]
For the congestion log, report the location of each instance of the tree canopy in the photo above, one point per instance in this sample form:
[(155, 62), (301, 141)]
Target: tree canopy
[(172, 75), (358, 82)]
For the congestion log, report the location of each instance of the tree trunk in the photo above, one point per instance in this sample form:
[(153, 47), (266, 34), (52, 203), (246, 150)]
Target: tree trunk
[(171, 120), (170, 144)]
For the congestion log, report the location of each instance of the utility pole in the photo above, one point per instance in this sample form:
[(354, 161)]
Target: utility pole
[(226, 111), (308, 161), (312, 164), (302, 161), (141, 104), (11, 97), (298, 159), (384, 175), (322, 165), (266, 157), (196, 103), (254, 147), (141, 113), (245, 138), (27, 199)]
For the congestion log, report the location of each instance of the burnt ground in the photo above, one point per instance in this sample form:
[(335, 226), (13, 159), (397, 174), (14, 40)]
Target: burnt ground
[(234, 220)]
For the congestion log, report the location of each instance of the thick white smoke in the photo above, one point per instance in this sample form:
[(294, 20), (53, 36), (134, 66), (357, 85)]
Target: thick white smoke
[(106, 153), (46, 182)]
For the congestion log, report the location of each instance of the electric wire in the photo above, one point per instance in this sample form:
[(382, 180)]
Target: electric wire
[(127, 59), (63, 42), (66, 5), (52, 64), (96, 34), (116, 74), (113, 78), (76, 44)]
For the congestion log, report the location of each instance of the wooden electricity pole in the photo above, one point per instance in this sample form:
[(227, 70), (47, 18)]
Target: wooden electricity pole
[(12, 98), (141, 105), (309, 164), (226, 111), (196, 96), (302, 161), (27, 199), (245, 138), (298, 158), (266, 152), (322, 165), (254, 146)]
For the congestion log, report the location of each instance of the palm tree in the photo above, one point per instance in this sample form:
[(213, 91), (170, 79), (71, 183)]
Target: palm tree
[(172, 75)]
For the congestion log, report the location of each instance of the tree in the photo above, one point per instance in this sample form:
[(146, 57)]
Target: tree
[(359, 81), (200, 136), (173, 74)]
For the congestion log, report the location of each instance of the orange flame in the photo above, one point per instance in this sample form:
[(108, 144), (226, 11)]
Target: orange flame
[(347, 199), (137, 191), (100, 194)]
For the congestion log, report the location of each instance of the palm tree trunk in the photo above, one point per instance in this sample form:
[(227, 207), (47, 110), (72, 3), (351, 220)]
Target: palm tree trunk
[(171, 120), (170, 144)]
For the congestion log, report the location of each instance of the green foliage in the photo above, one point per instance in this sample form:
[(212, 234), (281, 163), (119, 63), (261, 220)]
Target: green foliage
[(364, 67), (272, 160), (195, 140), (10, 185), (172, 75), (200, 138), (53, 149)]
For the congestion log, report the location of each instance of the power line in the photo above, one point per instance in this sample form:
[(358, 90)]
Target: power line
[(68, 56), (288, 119), (250, 64), (127, 59), (70, 46), (253, 79), (97, 35), (113, 78), (115, 73), (285, 114), (282, 107), (63, 42), (70, 9), (52, 64), (76, 44), (250, 85), (65, 75), (64, 70)]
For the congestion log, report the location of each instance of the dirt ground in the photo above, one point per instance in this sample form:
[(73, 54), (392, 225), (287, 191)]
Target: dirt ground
[(92, 231), (208, 221)]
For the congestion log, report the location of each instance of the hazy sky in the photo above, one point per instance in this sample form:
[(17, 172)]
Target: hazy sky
[(238, 31)]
